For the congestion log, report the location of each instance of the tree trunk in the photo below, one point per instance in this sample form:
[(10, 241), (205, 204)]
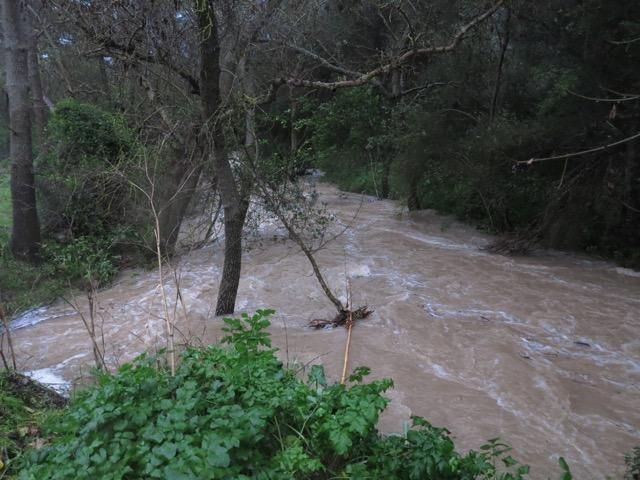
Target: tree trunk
[(294, 141), (234, 207), (233, 225), (37, 95), (630, 187), (183, 183), (35, 80), (498, 80), (4, 122), (25, 235)]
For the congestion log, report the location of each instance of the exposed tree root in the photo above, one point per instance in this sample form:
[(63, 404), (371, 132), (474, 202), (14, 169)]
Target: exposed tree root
[(342, 318)]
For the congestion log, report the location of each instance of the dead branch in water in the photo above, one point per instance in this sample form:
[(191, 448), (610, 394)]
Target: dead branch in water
[(90, 325), (342, 318)]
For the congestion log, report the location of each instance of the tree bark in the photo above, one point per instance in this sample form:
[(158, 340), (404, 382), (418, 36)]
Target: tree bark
[(233, 225), (498, 80), (234, 207), (35, 80), (37, 95), (25, 235), (182, 186), (4, 121)]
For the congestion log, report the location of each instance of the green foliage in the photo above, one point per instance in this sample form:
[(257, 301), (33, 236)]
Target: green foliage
[(352, 140), (90, 260), (234, 411), (23, 410), (23, 285), (84, 135), (449, 149), (83, 176), (632, 460)]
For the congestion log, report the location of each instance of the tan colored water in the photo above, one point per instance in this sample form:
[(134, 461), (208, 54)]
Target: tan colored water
[(480, 343)]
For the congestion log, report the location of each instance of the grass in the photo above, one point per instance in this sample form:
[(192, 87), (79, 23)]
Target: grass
[(24, 407), (24, 286)]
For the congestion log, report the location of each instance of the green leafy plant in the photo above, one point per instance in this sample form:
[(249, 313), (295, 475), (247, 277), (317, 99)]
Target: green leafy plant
[(87, 259), (234, 411), (82, 190), (632, 461)]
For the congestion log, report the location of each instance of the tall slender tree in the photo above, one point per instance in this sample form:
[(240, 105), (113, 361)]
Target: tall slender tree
[(25, 235)]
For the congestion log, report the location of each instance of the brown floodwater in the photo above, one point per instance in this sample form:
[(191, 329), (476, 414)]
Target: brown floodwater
[(542, 351)]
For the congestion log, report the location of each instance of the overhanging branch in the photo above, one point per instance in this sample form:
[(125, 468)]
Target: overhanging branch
[(394, 63)]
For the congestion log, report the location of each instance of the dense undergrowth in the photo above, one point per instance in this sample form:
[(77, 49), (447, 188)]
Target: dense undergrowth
[(431, 156), (235, 411), (91, 220)]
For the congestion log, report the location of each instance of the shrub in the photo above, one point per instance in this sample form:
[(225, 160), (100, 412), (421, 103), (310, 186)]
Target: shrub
[(353, 141), (81, 192), (87, 259), (234, 411)]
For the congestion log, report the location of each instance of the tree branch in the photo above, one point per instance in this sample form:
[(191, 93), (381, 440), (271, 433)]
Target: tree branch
[(583, 152), (395, 62)]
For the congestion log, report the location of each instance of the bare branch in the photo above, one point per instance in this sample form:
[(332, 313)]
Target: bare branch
[(583, 152), (395, 62), (625, 98)]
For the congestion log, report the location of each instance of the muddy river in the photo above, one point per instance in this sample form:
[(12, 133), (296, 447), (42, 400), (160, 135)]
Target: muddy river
[(542, 351)]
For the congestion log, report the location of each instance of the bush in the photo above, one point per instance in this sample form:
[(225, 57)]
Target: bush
[(89, 260), (82, 185), (352, 140), (234, 411)]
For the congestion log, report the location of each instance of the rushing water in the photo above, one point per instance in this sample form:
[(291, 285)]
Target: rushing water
[(542, 351)]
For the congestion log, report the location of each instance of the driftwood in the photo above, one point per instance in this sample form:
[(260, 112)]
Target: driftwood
[(342, 318)]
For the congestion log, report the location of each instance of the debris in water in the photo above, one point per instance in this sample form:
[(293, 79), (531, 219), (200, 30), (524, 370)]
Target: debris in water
[(341, 318), (582, 344)]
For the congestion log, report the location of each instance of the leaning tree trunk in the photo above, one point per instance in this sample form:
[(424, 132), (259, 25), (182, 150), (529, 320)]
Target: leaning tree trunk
[(25, 235)]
